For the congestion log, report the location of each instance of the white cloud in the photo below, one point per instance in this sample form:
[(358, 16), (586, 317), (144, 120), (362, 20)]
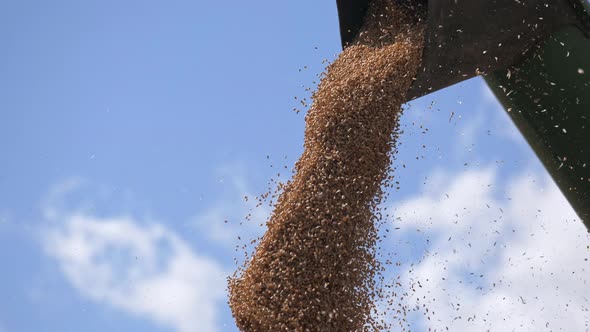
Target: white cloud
[(168, 282), (500, 257), (53, 202), (142, 269)]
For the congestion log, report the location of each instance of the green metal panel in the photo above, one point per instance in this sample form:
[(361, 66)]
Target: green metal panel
[(547, 95)]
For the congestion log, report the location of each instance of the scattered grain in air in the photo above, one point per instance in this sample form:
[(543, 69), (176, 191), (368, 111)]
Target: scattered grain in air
[(314, 269)]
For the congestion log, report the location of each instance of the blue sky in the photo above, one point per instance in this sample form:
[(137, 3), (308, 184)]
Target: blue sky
[(131, 130)]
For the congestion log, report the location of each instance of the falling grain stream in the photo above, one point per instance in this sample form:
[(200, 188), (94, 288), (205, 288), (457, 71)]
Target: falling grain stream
[(314, 268)]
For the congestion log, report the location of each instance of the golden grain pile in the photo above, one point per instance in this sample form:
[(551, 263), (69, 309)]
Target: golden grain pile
[(314, 268)]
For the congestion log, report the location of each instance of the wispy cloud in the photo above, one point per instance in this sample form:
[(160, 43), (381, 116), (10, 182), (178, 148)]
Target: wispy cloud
[(140, 268), (500, 257), (53, 203), (235, 215)]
